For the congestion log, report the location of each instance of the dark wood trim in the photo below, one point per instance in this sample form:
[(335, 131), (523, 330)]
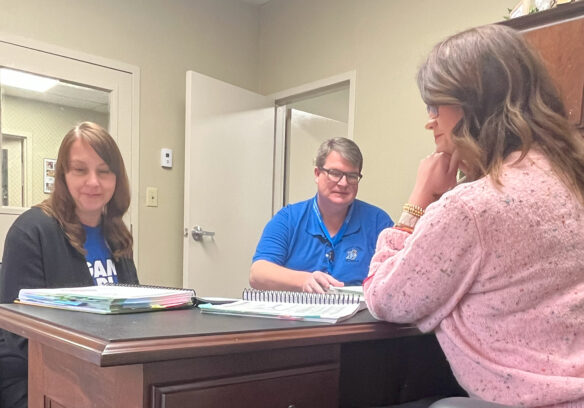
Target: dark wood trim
[(104, 352), (142, 351), (64, 339), (558, 14)]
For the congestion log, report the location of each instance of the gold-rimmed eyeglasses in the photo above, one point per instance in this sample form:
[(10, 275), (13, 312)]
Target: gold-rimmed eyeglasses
[(337, 176), (432, 111)]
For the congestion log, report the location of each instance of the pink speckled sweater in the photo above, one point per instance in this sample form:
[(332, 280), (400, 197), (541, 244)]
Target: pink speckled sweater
[(499, 276)]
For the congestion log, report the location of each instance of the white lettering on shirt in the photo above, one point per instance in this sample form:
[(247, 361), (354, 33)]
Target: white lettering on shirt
[(102, 274)]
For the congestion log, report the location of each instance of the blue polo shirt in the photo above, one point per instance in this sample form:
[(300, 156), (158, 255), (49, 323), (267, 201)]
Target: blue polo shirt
[(294, 238)]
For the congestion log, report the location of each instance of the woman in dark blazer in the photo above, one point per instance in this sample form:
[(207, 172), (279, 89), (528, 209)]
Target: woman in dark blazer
[(76, 237)]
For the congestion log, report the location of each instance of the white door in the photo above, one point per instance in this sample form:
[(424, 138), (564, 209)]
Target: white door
[(229, 147), (79, 73)]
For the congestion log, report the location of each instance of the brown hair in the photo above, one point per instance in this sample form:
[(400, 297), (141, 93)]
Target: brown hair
[(509, 102), (61, 205)]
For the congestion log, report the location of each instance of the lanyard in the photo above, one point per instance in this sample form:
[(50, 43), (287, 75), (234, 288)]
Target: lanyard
[(341, 232)]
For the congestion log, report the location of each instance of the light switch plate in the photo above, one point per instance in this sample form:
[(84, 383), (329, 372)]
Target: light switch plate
[(151, 197), (166, 158)]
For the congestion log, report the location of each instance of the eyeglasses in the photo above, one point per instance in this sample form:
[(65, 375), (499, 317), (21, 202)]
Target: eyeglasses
[(432, 111), (337, 176)]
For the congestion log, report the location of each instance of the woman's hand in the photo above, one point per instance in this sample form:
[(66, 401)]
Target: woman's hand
[(436, 175), (319, 282)]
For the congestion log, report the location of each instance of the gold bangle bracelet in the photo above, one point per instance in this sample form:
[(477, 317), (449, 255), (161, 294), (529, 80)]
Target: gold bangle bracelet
[(413, 209)]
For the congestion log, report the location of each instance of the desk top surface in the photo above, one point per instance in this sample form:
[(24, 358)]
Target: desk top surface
[(170, 323), (131, 338)]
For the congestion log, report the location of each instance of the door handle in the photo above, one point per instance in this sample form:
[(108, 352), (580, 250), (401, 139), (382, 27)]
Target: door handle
[(198, 233)]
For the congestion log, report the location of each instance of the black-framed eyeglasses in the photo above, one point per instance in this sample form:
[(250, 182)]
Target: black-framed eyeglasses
[(432, 111), (337, 175)]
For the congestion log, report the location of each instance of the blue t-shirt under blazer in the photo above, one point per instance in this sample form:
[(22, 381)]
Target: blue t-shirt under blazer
[(295, 238)]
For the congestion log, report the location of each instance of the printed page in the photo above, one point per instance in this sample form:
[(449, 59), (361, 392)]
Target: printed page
[(357, 290), (318, 312)]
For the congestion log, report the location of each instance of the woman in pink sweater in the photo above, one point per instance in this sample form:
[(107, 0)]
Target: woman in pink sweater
[(494, 264)]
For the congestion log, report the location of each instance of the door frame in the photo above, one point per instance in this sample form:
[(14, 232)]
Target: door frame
[(294, 94), (27, 140), (134, 142)]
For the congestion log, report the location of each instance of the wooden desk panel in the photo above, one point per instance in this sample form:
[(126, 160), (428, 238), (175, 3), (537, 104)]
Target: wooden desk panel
[(58, 379), (167, 358)]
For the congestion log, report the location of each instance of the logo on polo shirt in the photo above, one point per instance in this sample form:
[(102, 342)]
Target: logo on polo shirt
[(351, 255)]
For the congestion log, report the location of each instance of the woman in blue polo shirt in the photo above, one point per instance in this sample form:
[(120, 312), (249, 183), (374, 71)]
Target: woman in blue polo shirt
[(327, 240)]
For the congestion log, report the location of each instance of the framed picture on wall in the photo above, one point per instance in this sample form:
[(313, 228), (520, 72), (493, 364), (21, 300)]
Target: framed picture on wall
[(49, 175)]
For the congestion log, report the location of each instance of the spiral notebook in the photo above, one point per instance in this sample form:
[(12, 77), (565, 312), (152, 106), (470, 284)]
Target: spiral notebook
[(327, 307), (109, 299)]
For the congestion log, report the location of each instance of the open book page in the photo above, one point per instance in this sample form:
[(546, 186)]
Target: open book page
[(357, 290), (213, 300), (329, 313)]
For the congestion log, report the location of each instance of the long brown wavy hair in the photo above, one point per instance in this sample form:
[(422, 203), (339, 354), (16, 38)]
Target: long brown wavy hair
[(510, 103), (61, 205)]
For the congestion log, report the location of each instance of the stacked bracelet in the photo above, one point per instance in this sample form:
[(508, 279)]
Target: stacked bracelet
[(415, 210), (403, 228), (407, 220), (410, 216)]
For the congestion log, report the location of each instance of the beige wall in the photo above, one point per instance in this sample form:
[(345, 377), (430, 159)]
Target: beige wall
[(384, 41), (164, 39), (277, 46)]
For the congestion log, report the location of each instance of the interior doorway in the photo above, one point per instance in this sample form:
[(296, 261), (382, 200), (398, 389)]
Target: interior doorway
[(14, 180), (305, 117), (45, 91)]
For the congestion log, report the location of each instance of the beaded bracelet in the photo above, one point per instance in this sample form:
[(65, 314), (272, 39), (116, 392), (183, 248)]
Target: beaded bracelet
[(413, 209)]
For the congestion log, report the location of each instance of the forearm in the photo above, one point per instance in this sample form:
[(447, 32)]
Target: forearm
[(380, 282), (420, 277), (267, 275)]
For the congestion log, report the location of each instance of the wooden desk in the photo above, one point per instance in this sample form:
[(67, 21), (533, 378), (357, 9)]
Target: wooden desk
[(188, 359)]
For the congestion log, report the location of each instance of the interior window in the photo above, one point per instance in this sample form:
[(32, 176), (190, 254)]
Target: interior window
[(35, 113)]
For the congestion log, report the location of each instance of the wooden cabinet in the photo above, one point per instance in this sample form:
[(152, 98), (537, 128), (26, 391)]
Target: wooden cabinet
[(296, 377), (558, 35), (271, 389), (273, 378), (184, 358)]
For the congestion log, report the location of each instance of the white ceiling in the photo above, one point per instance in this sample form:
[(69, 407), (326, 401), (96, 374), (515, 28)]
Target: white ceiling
[(66, 94)]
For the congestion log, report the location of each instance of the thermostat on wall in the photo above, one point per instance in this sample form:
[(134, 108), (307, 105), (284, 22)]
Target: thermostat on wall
[(166, 158)]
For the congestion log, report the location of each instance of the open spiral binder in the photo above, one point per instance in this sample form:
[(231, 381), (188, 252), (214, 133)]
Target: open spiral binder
[(303, 298)]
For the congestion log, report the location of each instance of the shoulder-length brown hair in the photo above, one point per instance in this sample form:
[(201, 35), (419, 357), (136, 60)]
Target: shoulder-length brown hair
[(509, 102), (61, 205)]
